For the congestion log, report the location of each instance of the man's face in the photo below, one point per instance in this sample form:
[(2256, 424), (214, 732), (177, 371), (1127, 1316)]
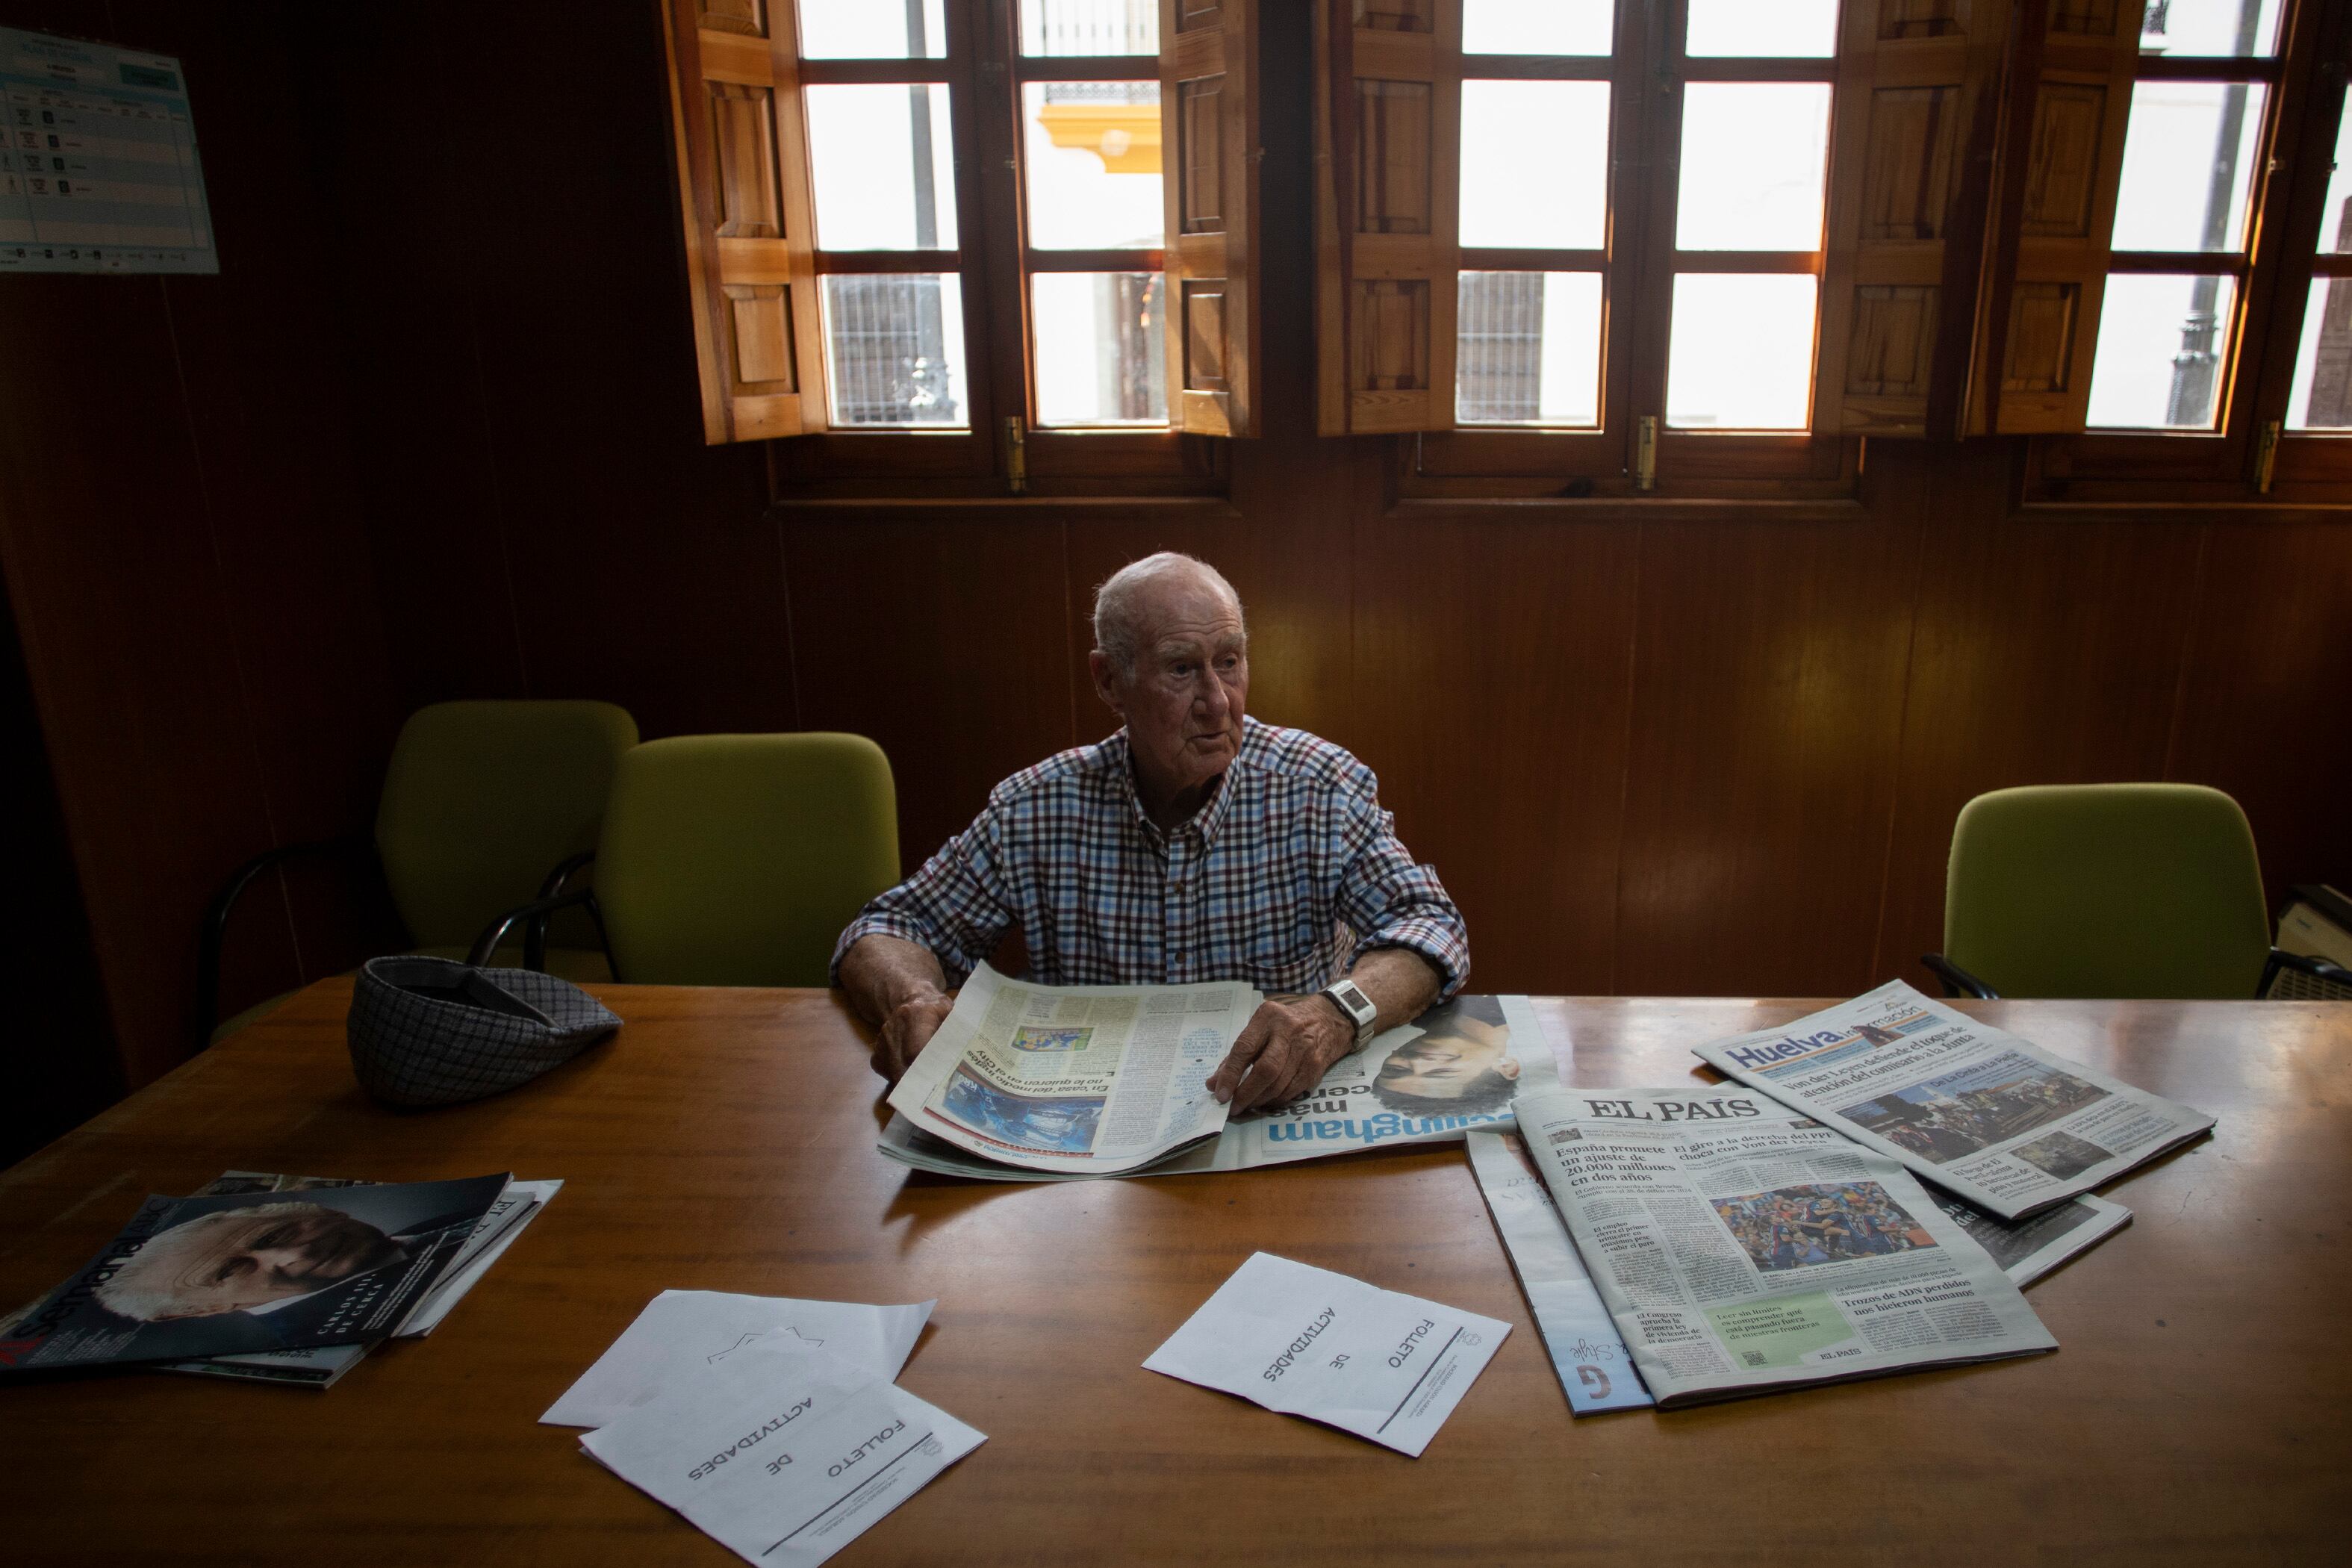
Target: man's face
[(1444, 1065), (248, 1257), (1183, 705)]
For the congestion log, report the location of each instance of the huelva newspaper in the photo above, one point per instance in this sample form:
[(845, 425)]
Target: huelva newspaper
[(1993, 1118), (1740, 1254), (1451, 1070)]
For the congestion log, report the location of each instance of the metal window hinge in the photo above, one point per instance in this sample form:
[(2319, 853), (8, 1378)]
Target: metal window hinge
[(1016, 455), (1645, 453), (2265, 456)]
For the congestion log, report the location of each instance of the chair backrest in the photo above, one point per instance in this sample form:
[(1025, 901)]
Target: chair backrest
[(2138, 889), (737, 859), (482, 800)]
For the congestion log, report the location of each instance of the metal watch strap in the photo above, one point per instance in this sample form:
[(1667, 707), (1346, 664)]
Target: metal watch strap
[(1360, 1010)]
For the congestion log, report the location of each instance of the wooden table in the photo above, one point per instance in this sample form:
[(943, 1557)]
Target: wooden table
[(2198, 1409)]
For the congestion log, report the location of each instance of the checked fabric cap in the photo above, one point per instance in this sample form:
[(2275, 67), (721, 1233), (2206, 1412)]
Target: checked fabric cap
[(432, 1031)]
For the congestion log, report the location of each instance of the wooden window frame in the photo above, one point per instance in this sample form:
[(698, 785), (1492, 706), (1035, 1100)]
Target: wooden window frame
[(1647, 71), (985, 71), (2227, 465)]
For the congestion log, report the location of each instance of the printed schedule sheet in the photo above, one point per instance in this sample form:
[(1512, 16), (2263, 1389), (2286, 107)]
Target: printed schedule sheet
[(97, 161)]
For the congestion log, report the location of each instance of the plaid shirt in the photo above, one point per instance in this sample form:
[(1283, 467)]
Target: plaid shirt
[(1289, 875)]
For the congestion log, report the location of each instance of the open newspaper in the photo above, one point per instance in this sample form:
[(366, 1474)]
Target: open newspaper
[(1094, 1079), (1743, 1254), (1595, 1368), (1453, 1069), (1996, 1119)]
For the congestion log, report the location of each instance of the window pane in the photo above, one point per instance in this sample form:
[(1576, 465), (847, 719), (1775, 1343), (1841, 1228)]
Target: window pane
[(1741, 353), (2322, 398), (1094, 165), (2188, 165), (882, 161), (1754, 155), (2164, 341), (1085, 26), (2335, 218), (2209, 27), (894, 349), (872, 29), (1528, 349), (1537, 26), (1102, 354), (1782, 29), (1535, 164)]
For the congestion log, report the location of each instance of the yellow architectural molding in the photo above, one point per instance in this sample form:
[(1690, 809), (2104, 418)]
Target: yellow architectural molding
[(1125, 136)]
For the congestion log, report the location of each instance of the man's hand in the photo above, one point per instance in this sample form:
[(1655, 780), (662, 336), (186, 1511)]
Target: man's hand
[(1283, 1051), (906, 1028)]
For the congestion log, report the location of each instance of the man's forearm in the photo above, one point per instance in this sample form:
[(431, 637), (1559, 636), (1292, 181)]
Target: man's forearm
[(1400, 983), (880, 973)]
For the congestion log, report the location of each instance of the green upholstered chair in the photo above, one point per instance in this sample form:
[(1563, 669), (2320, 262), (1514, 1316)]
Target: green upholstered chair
[(736, 859), (480, 802), (2124, 889)]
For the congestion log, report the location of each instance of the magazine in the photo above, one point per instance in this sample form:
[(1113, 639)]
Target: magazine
[(1743, 1253), (1995, 1119), (231, 1275), (1453, 1069), (1595, 1368), (1095, 1079), (321, 1366)]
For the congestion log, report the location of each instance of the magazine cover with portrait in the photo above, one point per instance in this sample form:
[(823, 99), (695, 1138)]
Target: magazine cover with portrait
[(248, 1272)]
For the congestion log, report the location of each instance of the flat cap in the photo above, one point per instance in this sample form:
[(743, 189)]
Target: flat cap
[(432, 1031)]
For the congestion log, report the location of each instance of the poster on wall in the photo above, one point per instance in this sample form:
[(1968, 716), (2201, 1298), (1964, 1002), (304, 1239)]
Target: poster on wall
[(97, 161)]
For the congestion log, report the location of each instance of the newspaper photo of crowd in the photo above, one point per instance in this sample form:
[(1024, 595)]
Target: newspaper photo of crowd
[(1975, 1108), (1796, 1227)]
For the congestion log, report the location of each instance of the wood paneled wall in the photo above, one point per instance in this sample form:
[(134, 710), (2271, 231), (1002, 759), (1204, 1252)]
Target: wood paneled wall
[(1651, 747), (181, 534)]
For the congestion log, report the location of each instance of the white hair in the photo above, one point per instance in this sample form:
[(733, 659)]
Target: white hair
[(1117, 629), (131, 1292)]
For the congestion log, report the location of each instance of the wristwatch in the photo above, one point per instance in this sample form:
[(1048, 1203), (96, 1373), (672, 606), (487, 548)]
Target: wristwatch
[(1350, 999)]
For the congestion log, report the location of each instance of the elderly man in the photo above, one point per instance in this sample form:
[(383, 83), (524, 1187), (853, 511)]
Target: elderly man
[(1195, 844)]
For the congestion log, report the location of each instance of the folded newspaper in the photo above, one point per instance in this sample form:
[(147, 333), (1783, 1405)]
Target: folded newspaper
[(228, 1274), (1595, 1369), (1995, 1119), (1454, 1068), (321, 1366), (1742, 1254)]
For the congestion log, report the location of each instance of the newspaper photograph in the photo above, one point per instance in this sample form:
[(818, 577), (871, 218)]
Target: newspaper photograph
[(1740, 1253), (321, 1366), (1989, 1116), (1453, 1069), (1092, 1079), (2027, 1249), (251, 1271)]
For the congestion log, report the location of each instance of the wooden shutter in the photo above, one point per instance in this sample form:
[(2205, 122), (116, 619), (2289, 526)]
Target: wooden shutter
[(742, 177), (1209, 118), (2076, 61), (1388, 136), (1917, 103)]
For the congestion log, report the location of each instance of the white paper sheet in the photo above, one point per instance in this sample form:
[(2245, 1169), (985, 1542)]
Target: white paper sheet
[(681, 1331), (780, 1453), (1307, 1342)]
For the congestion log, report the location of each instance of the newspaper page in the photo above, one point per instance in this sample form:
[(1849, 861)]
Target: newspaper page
[(1996, 1119), (1453, 1069), (1096, 1079), (1595, 1369), (1743, 1254)]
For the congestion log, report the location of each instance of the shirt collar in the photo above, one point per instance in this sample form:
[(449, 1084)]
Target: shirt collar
[(1205, 822)]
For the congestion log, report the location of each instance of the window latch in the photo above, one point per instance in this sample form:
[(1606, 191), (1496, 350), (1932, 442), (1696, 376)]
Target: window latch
[(1645, 453), (2265, 456), (1016, 455)]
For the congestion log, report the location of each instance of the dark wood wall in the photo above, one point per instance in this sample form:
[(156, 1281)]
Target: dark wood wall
[(181, 536), (1650, 748)]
